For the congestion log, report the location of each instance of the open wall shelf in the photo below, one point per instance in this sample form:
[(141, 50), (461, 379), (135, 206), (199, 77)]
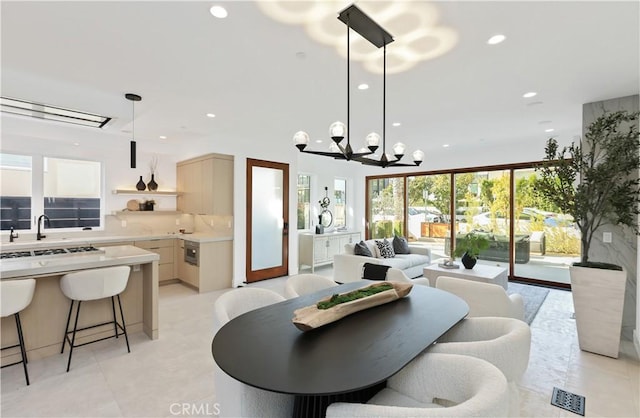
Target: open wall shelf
[(145, 192)]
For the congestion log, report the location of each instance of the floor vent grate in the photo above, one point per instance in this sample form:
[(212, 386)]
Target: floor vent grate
[(567, 400)]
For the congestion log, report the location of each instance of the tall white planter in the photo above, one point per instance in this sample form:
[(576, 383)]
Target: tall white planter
[(598, 299)]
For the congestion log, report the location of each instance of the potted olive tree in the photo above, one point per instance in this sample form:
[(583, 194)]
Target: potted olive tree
[(469, 248), (597, 183)]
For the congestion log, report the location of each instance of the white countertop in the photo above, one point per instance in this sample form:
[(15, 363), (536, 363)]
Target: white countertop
[(96, 240), (55, 264)]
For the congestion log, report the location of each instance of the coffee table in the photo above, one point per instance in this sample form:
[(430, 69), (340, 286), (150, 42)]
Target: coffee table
[(479, 273)]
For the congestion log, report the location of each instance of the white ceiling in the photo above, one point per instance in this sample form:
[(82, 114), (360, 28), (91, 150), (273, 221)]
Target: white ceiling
[(245, 69)]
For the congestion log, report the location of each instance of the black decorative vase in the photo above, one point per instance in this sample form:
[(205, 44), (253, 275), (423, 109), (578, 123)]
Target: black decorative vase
[(152, 185), (468, 261), (140, 185)]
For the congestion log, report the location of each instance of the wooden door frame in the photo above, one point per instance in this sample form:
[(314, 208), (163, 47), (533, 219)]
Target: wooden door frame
[(282, 270)]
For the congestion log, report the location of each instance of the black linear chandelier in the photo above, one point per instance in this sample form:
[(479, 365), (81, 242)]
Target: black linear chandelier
[(357, 20)]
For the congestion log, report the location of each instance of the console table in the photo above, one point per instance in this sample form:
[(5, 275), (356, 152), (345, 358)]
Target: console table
[(318, 249), (479, 273)]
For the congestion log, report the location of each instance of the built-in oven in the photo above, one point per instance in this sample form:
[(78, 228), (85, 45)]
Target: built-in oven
[(191, 250)]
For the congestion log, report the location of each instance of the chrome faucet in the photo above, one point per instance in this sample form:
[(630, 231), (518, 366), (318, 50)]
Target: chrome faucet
[(48, 222)]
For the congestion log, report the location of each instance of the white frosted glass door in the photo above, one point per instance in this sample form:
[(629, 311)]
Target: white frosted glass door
[(267, 219)]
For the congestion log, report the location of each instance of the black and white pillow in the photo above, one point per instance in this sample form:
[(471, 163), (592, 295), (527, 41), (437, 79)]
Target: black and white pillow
[(385, 249), (362, 249), (400, 245)]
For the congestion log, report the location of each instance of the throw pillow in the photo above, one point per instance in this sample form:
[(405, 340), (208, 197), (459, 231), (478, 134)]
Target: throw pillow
[(361, 249), (385, 248), (400, 245)]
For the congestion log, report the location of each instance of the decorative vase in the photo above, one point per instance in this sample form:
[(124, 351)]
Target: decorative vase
[(468, 261), (152, 185), (140, 185)]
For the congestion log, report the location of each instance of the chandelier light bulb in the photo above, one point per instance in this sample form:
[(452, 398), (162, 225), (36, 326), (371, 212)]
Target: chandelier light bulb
[(337, 130), (301, 139), (398, 149), (418, 156), (372, 140)]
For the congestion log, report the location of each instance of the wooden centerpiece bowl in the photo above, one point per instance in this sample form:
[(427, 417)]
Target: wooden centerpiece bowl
[(335, 307)]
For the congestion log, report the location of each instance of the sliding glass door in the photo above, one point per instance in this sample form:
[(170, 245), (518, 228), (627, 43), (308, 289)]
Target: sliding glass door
[(386, 212), (554, 240)]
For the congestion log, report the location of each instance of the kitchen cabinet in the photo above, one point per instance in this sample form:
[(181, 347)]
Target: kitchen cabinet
[(165, 249), (318, 249), (215, 266), (205, 185)]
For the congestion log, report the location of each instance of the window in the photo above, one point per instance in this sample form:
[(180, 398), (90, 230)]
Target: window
[(71, 192), (304, 201), (15, 194), (340, 204)]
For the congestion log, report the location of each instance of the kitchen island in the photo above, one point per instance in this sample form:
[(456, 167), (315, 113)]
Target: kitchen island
[(44, 320)]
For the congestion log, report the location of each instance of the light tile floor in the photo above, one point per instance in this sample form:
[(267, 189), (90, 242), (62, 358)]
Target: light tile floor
[(173, 376)]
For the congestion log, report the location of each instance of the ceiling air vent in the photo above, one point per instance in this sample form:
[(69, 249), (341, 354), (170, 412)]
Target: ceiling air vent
[(52, 113)]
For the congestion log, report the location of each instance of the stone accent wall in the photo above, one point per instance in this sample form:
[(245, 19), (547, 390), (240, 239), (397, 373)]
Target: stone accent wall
[(623, 249)]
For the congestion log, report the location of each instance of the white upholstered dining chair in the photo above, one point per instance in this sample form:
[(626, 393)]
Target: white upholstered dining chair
[(235, 399), (436, 385), (484, 299), (503, 342), (303, 284)]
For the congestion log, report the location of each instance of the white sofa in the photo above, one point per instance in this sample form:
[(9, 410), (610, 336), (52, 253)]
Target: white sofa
[(347, 267)]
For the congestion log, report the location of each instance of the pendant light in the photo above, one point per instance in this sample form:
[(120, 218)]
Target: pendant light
[(134, 98)]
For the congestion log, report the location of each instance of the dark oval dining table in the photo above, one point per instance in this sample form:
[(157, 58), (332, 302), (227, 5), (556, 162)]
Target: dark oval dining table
[(264, 349)]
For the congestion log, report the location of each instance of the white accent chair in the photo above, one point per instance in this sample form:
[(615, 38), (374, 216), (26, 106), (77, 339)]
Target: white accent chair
[(94, 284), (503, 342), (484, 299), (303, 284), (468, 386), (15, 296), (397, 275), (235, 398)]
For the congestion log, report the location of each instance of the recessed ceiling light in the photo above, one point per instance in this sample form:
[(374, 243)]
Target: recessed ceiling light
[(396, 124), (163, 137), (496, 39), (218, 11), (363, 86), (445, 145), (76, 144), (549, 130), (529, 94), (318, 141), (211, 115)]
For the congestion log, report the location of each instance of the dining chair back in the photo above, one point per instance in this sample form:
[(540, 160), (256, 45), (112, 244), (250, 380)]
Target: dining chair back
[(15, 296), (436, 385), (503, 342), (303, 284), (484, 299), (234, 398)]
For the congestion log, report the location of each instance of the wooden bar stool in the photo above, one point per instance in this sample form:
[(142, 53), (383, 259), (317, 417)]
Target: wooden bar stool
[(93, 285), (15, 296)]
